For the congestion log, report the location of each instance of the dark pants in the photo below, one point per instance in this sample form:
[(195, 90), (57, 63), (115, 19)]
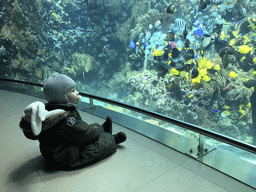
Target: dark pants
[(77, 156)]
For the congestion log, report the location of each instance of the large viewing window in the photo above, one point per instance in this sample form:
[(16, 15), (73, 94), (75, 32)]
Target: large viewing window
[(190, 61)]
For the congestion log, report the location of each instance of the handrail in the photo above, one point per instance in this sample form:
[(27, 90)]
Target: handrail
[(200, 130)]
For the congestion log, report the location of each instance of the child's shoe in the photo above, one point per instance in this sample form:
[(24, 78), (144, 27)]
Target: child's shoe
[(119, 137), (107, 125)]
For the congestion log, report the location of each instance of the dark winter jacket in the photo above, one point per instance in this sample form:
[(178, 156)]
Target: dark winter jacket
[(68, 141)]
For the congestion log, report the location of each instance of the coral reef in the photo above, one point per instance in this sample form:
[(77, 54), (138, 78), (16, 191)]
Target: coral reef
[(238, 92), (120, 78), (137, 21), (81, 64), (24, 40), (25, 15), (22, 63), (154, 91), (57, 18), (60, 40)]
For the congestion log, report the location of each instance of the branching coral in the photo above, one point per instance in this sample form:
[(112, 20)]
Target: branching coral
[(123, 32), (184, 80), (22, 39), (24, 14), (141, 23), (237, 90), (154, 89), (217, 82), (120, 79), (57, 18), (80, 63), (21, 21), (140, 16), (22, 63)]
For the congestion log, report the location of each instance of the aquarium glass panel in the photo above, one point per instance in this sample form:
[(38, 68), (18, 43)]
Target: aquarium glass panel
[(194, 61)]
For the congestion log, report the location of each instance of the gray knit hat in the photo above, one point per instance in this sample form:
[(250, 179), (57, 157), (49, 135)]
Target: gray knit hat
[(55, 88)]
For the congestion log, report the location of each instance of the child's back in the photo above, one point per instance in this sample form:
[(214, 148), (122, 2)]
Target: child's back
[(66, 140)]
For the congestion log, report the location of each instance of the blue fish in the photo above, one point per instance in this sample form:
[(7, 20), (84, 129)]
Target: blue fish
[(132, 44), (199, 31), (144, 45), (193, 20), (215, 111)]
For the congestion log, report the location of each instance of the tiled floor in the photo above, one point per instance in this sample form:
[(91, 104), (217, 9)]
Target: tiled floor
[(139, 164)]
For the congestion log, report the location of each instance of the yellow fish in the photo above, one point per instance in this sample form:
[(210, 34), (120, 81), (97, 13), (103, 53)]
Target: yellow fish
[(158, 52), (186, 77), (233, 74), (169, 62), (232, 42), (246, 39), (196, 80), (191, 95), (217, 67), (206, 78), (242, 59), (209, 64), (222, 35), (203, 72), (241, 111), (174, 71), (254, 60), (190, 60), (226, 107), (235, 33), (226, 113), (244, 49), (252, 25)]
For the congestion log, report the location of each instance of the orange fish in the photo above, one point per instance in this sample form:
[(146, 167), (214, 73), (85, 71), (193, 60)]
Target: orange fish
[(225, 87)]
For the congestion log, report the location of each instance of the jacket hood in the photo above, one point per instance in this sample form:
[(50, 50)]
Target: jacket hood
[(49, 122)]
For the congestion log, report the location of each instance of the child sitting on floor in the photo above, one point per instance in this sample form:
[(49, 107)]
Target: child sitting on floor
[(65, 139)]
